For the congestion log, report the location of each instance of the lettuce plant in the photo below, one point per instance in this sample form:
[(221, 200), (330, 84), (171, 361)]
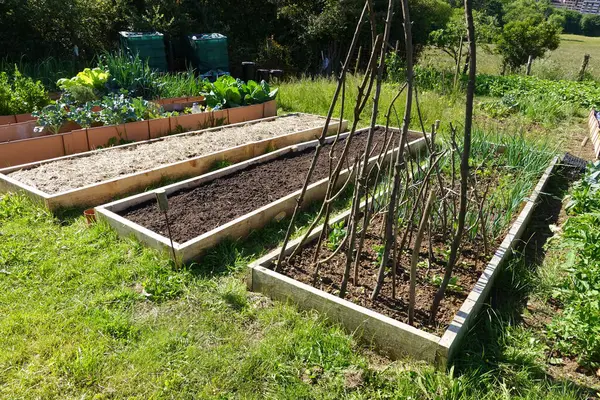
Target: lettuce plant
[(228, 92), (92, 78)]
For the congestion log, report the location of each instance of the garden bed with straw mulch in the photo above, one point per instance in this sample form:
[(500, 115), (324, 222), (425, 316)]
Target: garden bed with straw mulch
[(76, 172), (193, 212)]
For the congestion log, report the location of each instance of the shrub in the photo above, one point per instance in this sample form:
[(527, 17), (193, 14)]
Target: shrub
[(577, 328), (20, 94), (521, 39)]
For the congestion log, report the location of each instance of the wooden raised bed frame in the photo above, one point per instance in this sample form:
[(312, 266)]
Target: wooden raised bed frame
[(98, 193), (238, 228), (32, 149), (392, 337)]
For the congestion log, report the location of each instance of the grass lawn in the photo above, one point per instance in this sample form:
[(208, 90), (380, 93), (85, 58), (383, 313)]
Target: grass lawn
[(562, 63), (84, 314)]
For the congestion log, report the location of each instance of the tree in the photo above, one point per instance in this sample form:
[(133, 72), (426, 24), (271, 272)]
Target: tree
[(529, 32), (450, 37), (572, 22), (590, 25)]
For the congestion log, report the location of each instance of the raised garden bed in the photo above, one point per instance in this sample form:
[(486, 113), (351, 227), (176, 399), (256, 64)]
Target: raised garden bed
[(29, 150), (18, 130), (233, 201), (594, 126), (381, 322), (14, 119), (95, 177)]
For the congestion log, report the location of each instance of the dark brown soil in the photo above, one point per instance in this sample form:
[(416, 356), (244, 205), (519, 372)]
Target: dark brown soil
[(196, 211), (468, 269)]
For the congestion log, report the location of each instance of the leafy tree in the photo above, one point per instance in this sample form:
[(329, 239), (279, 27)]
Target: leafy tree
[(521, 10), (523, 38), (572, 22), (449, 38), (528, 32), (590, 25)]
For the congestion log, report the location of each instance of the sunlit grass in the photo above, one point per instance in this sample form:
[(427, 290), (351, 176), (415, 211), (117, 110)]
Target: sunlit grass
[(562, 63)]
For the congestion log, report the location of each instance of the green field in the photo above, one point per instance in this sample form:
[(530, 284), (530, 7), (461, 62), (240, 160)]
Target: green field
[(562, 63)]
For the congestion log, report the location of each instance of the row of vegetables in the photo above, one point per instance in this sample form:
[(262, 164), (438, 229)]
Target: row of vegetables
[(121, 90)]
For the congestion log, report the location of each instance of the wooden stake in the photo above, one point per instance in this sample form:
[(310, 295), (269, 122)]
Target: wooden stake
[(163, 205)]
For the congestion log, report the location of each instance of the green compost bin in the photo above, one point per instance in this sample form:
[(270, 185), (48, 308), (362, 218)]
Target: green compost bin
[(149, 45), (209, 52)]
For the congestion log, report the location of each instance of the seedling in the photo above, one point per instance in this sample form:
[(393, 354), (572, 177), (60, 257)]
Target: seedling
[(453, 285), (336, 236)]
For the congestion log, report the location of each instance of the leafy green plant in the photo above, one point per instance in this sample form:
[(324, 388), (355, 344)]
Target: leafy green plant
[(87, 85), (228, 92), (120, 109), (84, 115), (132, 75), (257, 93), (95, 78), (117, 109), (378, 249), (336, 236), (453, 286), (20, 94), (585, 196), (53, 116), (577, 328)]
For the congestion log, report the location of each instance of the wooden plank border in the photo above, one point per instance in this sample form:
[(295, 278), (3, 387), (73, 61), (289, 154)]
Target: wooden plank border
[(240, 227), (98, 193), (389, 336)]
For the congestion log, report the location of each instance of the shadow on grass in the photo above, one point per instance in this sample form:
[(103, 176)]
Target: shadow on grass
[(485, 350)]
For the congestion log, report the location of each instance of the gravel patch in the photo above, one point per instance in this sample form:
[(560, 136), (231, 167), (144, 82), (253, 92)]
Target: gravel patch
[(63, 175)]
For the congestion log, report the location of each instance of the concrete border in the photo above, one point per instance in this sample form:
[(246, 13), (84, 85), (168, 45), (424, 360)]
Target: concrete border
[(389, 336), (98, 193), (237, 228)]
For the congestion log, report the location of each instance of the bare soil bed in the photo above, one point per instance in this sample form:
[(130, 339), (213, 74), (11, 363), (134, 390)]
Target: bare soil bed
[(60, 176), (196, 211), (469, 267)]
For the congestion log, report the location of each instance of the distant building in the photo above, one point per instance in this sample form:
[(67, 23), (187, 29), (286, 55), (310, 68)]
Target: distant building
[(583, 6)]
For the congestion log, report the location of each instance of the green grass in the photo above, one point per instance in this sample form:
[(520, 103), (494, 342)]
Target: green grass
[(314, 96), (85, 314), (562, 63), (559, 124)]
